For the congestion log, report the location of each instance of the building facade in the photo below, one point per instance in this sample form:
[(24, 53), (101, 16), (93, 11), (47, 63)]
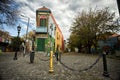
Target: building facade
[(5, 40), (112, 43), (48, 34)]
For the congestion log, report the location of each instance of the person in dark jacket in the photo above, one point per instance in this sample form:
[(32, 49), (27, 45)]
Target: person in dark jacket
[(56, 54)]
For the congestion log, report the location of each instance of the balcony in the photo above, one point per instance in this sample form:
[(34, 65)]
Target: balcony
[(41, 30)]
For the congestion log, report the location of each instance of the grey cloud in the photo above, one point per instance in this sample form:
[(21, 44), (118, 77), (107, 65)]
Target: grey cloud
[(95, 1), (64, 10), (22, 4), (75, 5)]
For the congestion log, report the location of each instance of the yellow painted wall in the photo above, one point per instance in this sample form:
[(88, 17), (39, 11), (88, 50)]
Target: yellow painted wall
[(58, 39), (58, 36)]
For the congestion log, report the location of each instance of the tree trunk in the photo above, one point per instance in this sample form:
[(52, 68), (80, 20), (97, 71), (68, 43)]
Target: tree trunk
[(89, 48), (79, 48)]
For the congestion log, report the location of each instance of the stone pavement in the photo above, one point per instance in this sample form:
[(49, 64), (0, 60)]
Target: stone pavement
[(21, 69)]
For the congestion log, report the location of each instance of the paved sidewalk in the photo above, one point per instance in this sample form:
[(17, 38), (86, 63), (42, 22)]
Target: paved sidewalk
[(21, 69)]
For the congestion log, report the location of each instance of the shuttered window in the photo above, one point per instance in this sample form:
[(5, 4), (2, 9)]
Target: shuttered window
[(42, 22)]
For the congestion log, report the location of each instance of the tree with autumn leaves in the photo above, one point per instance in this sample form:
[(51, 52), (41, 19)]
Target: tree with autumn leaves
[(88, 27), (17, 41)]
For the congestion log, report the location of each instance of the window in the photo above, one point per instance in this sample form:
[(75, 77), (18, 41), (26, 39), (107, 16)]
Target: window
[(42, 22)]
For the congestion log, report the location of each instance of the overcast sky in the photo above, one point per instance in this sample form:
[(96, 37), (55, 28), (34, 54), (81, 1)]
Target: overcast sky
[(63, 10)]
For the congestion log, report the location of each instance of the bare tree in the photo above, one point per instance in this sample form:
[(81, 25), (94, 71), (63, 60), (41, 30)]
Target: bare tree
[(8, 12)]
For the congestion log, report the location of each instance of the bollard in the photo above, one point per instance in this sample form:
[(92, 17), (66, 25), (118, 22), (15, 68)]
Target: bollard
[(32, 56), (60, 56), (105, 72), (51, 62)]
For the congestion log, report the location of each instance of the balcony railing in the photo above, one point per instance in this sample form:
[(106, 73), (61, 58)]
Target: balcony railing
[(41, 30)]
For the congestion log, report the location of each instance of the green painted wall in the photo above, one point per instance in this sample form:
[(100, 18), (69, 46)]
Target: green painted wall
[(40, 44), (47, 44), (47, 49)]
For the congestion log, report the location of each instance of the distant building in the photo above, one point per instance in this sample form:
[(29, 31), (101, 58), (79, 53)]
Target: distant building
[(113, 42), (48, 33), (5, 40)]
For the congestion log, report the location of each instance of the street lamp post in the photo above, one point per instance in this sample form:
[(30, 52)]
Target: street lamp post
[(51, 52), (15, 56)]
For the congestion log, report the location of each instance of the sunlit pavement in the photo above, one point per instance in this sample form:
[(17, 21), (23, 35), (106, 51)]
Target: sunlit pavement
[(21, 69)]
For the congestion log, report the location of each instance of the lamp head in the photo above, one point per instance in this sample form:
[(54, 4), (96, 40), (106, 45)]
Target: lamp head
[(19, 28)]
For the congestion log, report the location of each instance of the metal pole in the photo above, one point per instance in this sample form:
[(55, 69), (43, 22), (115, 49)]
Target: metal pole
[(51, 62), (51, 54), (16, 49), (26, 37), (105, 72)]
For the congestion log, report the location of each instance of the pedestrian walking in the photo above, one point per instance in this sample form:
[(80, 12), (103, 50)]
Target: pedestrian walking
[(56, 54)]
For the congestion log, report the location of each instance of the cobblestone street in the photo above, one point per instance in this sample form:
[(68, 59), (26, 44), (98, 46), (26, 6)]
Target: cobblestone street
[(21, 69)]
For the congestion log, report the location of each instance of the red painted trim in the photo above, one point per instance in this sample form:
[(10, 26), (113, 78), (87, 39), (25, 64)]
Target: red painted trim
[(59, 30), (43, 17), (56, 24)]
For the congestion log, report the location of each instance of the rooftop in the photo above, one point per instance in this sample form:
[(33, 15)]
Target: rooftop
[(44, 9), (114, 35)]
